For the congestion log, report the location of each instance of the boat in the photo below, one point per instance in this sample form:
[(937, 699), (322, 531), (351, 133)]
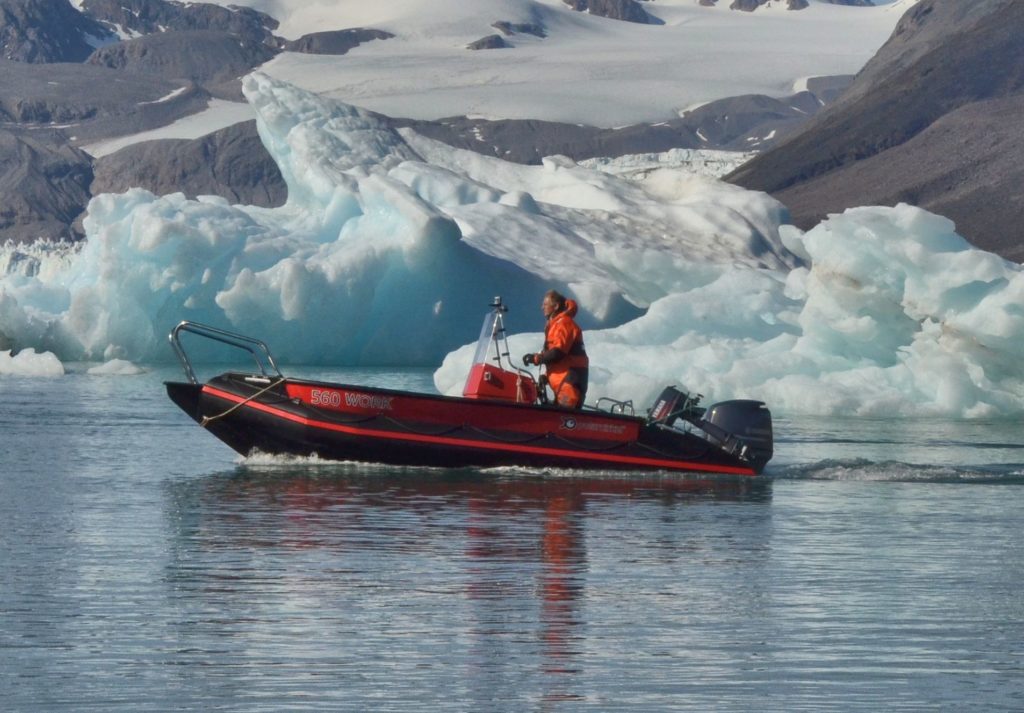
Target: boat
[(503, 418)]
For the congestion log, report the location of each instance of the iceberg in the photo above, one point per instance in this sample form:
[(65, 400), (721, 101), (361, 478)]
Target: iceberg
[(391, 245), (384, 253), (28, 363), (892, 314), (116, 367)]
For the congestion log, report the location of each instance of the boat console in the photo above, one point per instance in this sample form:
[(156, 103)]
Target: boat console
[(492, 375)]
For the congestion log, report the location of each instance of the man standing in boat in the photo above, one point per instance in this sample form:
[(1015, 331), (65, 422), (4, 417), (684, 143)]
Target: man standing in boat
[(564, 354)]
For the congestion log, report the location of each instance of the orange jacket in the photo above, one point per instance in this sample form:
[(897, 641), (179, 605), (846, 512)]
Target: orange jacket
[(563, 334)]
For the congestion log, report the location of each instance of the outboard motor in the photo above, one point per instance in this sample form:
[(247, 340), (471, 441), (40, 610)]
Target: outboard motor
[(673, 403), (742, 426)]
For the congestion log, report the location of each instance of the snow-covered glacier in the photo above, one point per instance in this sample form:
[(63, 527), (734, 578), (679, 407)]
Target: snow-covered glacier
[(391, 245)]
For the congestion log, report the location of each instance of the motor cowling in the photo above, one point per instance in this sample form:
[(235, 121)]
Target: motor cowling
[(666, 407), (743, 425), (673, 404)]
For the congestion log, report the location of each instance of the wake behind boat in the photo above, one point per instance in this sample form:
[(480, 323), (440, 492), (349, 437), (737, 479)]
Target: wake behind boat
[(502, 418)]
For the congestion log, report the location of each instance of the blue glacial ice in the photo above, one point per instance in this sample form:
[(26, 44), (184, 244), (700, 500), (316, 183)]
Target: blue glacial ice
[(391, 245)]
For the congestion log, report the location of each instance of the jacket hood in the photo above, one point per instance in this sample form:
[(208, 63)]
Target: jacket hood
[(571, 308)]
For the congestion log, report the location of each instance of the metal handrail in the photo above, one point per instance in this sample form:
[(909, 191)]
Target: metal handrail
[(255, 347), (616, 407)]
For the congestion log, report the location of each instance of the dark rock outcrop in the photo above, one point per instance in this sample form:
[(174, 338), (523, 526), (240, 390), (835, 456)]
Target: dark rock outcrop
[(44, 180), (63, 92), (91, 102), (215, 59), (626, 10), (196, 55), (48, 31), (754, 122), (751, 5), (527, 28), (148, 17), (930, 92), (967, 166), (44, 185), (231, 163), (335, 42), (490, 42), (744, 123)]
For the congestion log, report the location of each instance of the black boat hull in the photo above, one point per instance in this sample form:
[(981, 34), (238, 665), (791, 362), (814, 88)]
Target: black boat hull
[(355, 423)]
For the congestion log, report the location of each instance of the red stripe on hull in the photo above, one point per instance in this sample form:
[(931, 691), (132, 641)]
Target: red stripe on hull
[(520, 418), (482, 445)]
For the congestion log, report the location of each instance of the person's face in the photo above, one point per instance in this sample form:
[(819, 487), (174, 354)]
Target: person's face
[(548, 306)]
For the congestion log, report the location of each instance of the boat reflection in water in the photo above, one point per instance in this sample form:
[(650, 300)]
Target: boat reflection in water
[(485, 570)]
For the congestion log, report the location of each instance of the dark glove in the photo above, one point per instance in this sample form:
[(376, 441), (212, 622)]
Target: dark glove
[(529, 359)]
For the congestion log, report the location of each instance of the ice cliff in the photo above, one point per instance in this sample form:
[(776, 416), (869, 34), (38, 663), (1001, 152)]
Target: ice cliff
[(390, 247)]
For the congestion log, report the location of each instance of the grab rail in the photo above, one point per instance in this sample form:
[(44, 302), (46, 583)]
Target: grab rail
[(255, 347), (616, 407)]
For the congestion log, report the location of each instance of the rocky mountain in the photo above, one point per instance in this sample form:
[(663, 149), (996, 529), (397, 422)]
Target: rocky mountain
[(626, 10), (230, 163), (233, 163), (44, 186), (335, 42), (44, 31), (69, 79), (633, 11), (44, 180), (90, 102), (743, 123), (209, 58), (751, 5), (932, 120), (48, 31), (146, 17)]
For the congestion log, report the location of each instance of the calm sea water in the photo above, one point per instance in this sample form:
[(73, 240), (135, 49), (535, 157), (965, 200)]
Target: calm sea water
[(144, 567)]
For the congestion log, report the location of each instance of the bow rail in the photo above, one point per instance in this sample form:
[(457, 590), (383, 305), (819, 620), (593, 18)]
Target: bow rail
[(259, 351)]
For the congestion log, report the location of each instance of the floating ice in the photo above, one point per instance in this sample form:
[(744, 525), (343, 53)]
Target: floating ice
[(28, 363), (896, 315), (391, 246), (116, 367)]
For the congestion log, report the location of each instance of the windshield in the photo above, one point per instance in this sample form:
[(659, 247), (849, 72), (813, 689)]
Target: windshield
[(486, 347)]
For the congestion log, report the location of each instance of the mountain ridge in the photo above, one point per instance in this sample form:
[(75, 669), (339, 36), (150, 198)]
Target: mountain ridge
[(173, 57), (881, 141)]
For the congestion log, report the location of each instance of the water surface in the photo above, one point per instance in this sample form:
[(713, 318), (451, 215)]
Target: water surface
[(144, 567)]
